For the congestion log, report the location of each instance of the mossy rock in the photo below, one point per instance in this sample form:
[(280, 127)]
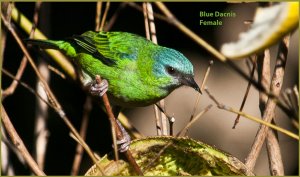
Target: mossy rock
[(180, 157)]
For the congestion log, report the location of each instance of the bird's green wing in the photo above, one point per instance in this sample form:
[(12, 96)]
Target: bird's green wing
[(109, 47)]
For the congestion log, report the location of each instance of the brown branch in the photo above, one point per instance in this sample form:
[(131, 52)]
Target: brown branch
[(269, 111), (17, 141), (174, 21), (188, 32), (253, 118), (98, 15), (198, 95), (10, 90), (158, 121), (83, 129), (246, 93), (156, 15), (151, 35), (273, 149), (117, 129), (114, 17), (63, 116), (104, 16), (54, 102)]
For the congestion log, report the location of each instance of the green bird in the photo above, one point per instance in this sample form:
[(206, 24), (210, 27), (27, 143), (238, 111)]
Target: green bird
[(136, 71)]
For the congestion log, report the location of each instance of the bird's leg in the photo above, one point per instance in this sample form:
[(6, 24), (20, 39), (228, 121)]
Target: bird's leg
[(125, 141), (99, 89)]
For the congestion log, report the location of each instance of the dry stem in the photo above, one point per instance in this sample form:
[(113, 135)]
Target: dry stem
[(269, 111), (55, 104), (87, 107), (17, 141), (117, 129), (246, 93)]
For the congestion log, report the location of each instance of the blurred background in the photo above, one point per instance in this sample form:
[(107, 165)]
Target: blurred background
[(61, 20)]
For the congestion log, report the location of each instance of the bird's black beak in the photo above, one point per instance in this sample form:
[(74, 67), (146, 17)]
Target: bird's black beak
[(189, 81)]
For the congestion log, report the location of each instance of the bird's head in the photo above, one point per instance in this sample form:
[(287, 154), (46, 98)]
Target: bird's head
[(172, 64)]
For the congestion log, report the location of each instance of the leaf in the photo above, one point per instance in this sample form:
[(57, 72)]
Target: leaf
[(183, 156)]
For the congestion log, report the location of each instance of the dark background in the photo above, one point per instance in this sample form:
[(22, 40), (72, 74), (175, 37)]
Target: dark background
[(61, 20)]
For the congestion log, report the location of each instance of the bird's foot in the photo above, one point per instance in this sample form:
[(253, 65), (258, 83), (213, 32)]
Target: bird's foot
[(99, 89), (124, 143)]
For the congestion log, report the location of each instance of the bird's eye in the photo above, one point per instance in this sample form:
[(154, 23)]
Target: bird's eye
[(171, 70)]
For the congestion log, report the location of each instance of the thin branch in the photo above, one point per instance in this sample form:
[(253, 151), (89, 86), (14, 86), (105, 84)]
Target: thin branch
[(188, 32), (267, 124), (104, 16), (182, 132), (156, 15), (41, 132), (147, 32), (117, 129), (11, 89), (83, 129), (56, 71), (246, 93), (150, 25), (114, 17), (19, 143), (64, 117), (269, 112), (273, 149), (98, 15), (55, 104), (57, 56), (211, 62), (174, 21)]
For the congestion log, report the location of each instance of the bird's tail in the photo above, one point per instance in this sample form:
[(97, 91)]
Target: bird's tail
[(45, 44)]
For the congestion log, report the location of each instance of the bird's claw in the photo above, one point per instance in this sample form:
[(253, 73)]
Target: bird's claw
[(124, 143), (99, 89)]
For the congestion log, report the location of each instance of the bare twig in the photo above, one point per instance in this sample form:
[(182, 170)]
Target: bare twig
[(149, 21), (40, 130), (156, 15), (174, 21), (181, 132), (55, 104), (63, 116), (19, 143), (104, 16), (273, 149), (188, 32), (230, 109), (269, 111), (114, 17), (201, 88), (83, 129), (152, 36), (10, 90), (246, 93), (274, 154), (58, 57), (98, 15), (117, 129), (56, 71)]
